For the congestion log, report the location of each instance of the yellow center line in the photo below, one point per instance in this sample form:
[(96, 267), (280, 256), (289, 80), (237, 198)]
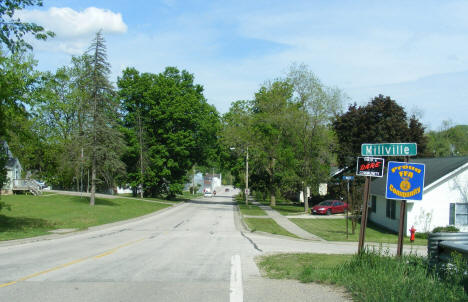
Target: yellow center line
[(109, 252)]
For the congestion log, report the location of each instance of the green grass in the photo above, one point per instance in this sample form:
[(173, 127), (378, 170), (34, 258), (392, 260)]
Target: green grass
[(250, 210), (267, 225), (335, 230), (285, 207), (370, 276), (36, 215), (290, 266), (289, 209)]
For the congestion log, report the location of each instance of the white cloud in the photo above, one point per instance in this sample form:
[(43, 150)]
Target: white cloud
[(74, 29)]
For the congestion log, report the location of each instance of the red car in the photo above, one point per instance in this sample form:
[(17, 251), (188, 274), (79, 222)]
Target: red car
[(329, 207)]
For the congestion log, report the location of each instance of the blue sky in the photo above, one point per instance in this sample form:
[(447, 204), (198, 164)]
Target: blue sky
[(414, 51)]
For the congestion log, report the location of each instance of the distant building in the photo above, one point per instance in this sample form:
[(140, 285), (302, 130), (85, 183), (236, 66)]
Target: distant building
[(445, 200), (13, 167)]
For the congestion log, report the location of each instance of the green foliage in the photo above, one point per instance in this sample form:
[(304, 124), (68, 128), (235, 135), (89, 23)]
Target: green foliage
[(381, 121), (12, 30), (178, 128), (101, 138), (286, 129), (446, 229), (372, 275), (449, 141), (3, 173)]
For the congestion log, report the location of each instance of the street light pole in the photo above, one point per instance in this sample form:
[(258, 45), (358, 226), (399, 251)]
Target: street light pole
[(247, 176)]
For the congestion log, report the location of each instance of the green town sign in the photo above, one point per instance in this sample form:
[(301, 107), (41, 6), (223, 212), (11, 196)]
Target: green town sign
[(393, 149)]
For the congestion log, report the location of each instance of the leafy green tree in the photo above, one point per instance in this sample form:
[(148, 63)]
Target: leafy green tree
[(167, 117), (57, 119), (318, 106), (272, 139), (448, 141), (382, 120), (235, 137), (12, 30)]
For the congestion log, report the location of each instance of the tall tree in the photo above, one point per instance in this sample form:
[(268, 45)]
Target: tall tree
[(105, 142), (318, 106), (168, 118), (273, 119), (382, 120)]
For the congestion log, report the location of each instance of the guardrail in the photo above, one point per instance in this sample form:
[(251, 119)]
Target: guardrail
[(440, 247)]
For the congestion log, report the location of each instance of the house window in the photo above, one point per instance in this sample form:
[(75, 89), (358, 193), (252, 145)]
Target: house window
[(374, 204), (458, 214), (391, 208)]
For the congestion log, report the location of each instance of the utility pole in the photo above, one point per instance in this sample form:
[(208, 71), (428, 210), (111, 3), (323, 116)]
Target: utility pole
[(247, 177), (193, 179)]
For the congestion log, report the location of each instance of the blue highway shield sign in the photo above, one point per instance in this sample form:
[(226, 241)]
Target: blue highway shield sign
[(405, 181)]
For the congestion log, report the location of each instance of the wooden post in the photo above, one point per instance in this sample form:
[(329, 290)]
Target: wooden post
[(401, 228), (362, 233), (347, 210)]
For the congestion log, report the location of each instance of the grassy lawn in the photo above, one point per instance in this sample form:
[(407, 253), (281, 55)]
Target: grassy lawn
[(370, 276), (267, 225), (335, 230), (289, 209), (250, 209), (36, 215), (290, 266), (285, 207)]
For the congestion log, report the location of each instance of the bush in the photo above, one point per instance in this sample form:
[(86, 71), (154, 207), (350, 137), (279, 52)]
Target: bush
[(446, 229), (378, 276), (422, 235)]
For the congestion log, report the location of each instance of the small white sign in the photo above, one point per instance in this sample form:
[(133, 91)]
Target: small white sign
[(322, 189)]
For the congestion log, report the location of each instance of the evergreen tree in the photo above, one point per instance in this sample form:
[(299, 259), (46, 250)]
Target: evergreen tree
[(102, 138)]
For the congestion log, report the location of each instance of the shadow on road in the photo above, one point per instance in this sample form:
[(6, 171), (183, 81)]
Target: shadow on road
[(211, 202)]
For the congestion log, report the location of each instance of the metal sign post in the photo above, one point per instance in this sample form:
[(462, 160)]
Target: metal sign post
[(368, 167), (362, 232), (347, 178), (405, 181)]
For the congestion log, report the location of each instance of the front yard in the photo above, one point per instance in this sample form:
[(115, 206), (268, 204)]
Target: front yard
[(37, 215), (335, 230)]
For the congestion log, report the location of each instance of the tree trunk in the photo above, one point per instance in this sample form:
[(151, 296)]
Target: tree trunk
[(272, 196), (193, 180), (304, 196), (93, 182), (141, 154)]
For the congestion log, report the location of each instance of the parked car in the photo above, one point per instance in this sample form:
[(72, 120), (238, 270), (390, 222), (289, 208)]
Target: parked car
[(329, 207)]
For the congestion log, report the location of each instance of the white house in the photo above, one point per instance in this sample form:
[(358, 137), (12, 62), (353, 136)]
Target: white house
[(13, 167), (445, 198)]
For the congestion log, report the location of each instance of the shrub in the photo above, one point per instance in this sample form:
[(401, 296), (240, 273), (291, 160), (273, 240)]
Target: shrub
[(422, 235), (378, 276), (446, 229)]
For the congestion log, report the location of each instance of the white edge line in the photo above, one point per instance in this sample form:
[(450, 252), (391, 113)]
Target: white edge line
[(236, 291)]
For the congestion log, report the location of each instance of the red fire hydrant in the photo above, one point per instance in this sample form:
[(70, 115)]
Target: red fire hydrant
[(412, 231)]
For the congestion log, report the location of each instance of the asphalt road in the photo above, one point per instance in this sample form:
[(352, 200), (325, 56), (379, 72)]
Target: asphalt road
[(193, 252)]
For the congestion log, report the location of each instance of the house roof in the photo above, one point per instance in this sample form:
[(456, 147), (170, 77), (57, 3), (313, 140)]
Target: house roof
[(435, 169), (11, 163)]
